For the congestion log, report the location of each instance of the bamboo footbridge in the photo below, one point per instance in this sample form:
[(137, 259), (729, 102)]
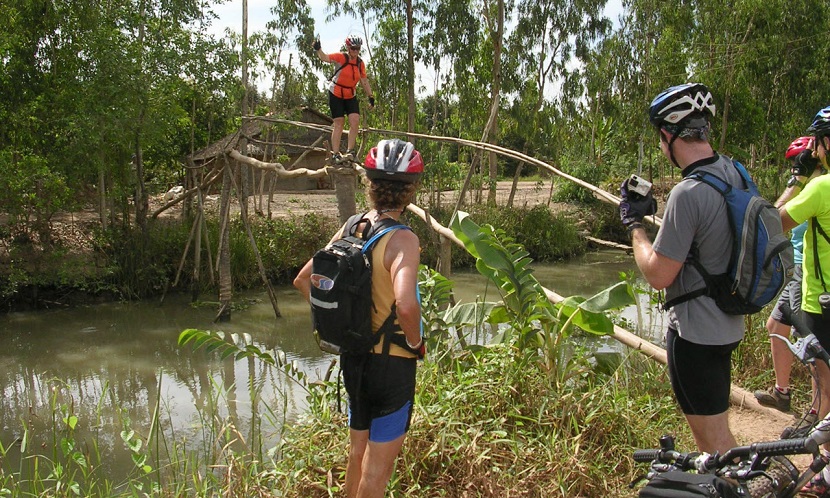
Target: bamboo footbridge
[(739, 397)]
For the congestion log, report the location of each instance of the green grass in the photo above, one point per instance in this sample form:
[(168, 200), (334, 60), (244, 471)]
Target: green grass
[(486, 426)]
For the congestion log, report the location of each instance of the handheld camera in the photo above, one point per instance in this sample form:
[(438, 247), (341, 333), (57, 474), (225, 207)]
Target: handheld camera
[(638, 185)]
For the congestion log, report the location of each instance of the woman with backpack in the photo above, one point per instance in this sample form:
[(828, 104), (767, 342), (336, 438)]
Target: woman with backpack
[(381, 383)]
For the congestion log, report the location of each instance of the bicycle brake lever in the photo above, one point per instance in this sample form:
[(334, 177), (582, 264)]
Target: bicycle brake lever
[(801, 347)]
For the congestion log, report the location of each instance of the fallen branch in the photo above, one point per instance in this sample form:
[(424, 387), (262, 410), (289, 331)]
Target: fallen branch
[(608, 243)]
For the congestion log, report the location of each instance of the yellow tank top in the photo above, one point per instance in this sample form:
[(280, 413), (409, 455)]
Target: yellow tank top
[(383, 297)]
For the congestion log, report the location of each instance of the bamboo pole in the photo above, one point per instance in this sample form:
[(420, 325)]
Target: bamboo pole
[(738, 396), (243, 208)]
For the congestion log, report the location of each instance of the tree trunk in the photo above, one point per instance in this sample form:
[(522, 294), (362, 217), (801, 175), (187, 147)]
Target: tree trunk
[(515, 182), (102, 194), (493, 138), (344, 187), (410, 68), (196, 284), (223, 260), (142, 204)]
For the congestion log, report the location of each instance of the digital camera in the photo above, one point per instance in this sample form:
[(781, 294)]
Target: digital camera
[(639, 185)]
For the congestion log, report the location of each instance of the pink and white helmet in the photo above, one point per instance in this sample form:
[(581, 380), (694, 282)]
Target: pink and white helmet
[(394, 160)]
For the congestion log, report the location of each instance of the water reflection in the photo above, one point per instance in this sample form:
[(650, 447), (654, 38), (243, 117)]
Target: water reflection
[(113, 364)]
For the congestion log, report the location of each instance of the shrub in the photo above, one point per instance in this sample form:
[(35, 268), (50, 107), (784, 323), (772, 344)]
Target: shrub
[(546, 235)]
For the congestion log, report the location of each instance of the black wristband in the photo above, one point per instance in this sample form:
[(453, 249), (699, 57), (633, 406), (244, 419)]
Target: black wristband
[(632, 226)]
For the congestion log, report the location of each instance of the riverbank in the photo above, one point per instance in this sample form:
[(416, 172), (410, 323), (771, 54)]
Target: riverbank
[(524, 433), (82, 263)]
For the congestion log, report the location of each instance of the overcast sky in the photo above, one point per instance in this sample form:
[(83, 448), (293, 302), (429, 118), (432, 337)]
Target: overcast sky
[(331, 34)]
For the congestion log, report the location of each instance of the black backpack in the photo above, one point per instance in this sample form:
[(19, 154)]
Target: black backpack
[(761, 262), (341, 290), (677, 484)]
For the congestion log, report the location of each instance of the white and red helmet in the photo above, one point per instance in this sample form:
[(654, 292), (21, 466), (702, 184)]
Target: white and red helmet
[(353, 41), (798, 146), (394, 160)]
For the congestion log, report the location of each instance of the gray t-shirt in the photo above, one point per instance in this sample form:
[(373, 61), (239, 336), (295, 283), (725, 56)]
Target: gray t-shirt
[(696, 213)]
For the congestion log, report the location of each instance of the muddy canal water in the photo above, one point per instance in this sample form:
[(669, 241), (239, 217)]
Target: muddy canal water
[(114, 365)]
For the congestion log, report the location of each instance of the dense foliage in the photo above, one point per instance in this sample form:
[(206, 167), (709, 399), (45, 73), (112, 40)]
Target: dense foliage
[(91, 90)]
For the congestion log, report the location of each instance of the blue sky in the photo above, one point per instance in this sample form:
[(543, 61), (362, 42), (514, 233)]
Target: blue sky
[(331, 34)]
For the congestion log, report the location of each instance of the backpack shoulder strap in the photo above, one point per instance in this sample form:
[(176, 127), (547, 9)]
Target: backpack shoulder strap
[(350, 227), (721, 185), (713, 181), (340, 68), (816, 262), (750, 185), (820, 230), (380, 229)]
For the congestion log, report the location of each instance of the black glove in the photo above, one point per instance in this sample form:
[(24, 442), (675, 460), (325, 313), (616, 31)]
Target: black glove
[(804, 164), (372, 101), (634, 207), (316, 45)]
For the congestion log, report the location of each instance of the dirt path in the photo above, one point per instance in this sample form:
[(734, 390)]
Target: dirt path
[(750, 426)]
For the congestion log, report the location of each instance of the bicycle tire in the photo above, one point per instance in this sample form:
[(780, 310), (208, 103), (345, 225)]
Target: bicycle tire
[(780, 478)]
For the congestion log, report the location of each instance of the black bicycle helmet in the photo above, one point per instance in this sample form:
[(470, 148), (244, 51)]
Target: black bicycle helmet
[(683, 106), (821, 123), (394, 160)]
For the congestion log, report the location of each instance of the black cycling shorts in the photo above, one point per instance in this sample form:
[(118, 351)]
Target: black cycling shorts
[(381, 392), (819, 327), (701, 375), (343, 107)]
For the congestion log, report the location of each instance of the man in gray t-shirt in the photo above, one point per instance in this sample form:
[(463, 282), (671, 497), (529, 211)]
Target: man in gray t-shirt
[(700, 337)]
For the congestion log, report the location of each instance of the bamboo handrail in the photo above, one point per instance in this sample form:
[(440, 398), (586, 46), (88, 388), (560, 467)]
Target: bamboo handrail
[(738, 396), (598, 192)]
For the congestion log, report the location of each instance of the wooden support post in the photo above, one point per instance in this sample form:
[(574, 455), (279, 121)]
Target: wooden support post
[(445, 256)]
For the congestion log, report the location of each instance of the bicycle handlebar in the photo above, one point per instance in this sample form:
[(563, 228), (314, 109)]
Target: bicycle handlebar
[(706, 462), (784, 447)]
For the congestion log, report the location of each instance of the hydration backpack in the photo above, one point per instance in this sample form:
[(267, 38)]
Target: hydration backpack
[(762, 256), (341, 290)]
